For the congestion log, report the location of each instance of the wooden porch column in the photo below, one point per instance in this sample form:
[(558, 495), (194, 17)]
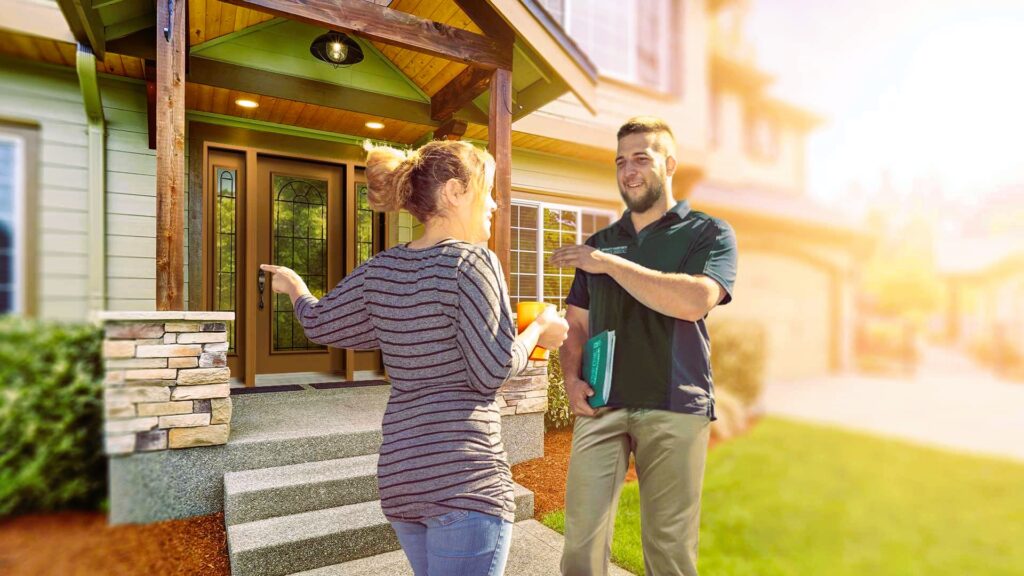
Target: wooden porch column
[(499, 144), (170, 156)]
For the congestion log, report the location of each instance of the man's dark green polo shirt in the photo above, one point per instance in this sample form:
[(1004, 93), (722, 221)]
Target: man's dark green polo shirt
[(660, 362)]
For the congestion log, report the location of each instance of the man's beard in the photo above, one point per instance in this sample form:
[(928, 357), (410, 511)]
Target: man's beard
[(655, 192)]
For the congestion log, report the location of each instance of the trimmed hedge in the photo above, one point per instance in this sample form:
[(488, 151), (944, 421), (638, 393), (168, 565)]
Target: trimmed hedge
[(51, 416), (737, 364)]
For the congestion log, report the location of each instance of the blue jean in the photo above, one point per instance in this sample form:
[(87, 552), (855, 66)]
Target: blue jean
[(459, 543)]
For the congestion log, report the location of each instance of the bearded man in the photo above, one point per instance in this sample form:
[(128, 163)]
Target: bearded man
[(652, 276)]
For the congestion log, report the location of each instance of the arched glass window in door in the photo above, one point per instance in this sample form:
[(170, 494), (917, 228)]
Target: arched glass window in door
[(299, 242), (225, 251)]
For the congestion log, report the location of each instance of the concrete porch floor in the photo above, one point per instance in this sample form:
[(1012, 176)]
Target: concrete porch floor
[(269, 416)]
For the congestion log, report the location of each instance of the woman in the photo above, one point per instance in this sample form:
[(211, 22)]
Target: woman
[(438, 310)]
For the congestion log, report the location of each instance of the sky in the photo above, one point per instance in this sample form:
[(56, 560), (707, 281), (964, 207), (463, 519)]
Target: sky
[(915, 89)]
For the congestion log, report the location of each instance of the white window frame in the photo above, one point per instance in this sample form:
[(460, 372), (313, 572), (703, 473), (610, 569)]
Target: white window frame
[(541, 206), (18, 239)]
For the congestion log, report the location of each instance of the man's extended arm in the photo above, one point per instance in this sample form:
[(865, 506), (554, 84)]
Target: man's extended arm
[(683, 296)]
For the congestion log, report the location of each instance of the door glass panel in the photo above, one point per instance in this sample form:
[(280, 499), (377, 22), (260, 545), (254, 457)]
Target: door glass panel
[(225, 249), (299, 242), (366, 225)]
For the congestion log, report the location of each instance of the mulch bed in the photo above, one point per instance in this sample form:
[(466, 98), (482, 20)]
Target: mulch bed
[(82, 544)]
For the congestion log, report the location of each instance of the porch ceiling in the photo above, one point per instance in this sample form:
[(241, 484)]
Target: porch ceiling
[(209, 19), (221, 101), (429, 73), (63, 54)]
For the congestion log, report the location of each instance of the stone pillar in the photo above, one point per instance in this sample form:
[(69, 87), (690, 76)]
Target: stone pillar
[(166, 382), (526, 393)]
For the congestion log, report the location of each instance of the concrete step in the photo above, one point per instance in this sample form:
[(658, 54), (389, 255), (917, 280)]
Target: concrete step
[(536, 551), (285, 450), (252, 495), (308, 540)]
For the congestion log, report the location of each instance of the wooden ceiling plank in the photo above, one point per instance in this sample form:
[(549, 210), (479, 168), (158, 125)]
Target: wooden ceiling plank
[(227, 18), (197, 20), (443, 77)]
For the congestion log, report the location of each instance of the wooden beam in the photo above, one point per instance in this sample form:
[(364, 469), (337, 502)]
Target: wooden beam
[(536, 95), (170, 159), (129, 27), (490, 22), (85, 24), (252, 80), (452, 129), (139, 44), (150, 72), (499, 144), (390, 27), (462, 89)]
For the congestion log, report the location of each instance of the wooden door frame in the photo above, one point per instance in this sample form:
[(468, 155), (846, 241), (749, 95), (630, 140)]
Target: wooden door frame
[(241, 235), (252, 143)]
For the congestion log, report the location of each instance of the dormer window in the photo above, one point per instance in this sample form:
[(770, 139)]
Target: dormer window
[(628, 40)]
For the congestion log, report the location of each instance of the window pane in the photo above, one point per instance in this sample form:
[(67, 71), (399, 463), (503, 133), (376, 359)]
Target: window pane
[(528, 286), (602, 28), (653, 19), (224, 252), (8, 250)]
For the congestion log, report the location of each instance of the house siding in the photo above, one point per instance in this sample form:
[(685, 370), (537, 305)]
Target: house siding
[(50, 97)]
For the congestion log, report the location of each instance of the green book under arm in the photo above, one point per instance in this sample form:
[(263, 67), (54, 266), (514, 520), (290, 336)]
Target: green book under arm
[(598, 358)]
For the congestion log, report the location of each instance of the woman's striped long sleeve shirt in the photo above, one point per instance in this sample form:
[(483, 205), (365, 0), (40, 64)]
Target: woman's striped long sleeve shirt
[(441, 317)]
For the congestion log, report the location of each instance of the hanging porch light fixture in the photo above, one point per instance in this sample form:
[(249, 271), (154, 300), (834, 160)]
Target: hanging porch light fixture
[(336, 49)]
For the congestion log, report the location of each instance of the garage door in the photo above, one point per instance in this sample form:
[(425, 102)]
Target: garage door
[(791, 299)]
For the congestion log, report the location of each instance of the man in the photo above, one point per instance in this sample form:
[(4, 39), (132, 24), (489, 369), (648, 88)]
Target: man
[(653, 276)]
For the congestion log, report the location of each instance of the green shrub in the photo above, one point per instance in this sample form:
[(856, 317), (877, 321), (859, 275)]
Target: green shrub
[(738, 349), (51, 416), (559, 415)]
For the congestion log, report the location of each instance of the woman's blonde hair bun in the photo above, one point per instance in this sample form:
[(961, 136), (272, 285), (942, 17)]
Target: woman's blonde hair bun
[(388, 176)]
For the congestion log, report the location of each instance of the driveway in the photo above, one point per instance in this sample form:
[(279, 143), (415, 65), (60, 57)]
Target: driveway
[(949, 403)]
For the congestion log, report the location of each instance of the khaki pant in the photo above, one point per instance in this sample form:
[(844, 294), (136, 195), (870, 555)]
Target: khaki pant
[(669, 449)]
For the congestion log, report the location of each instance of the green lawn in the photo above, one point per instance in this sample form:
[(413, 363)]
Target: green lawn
[(797, 499)]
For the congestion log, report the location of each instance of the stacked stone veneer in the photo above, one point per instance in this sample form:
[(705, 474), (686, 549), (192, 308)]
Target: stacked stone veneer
[(166, 382), (526, 393)]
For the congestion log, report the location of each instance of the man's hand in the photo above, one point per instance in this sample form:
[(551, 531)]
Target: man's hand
[(586, 258), (578, 391)]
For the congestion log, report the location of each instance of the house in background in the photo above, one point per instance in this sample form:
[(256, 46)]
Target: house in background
[(741, 154), (983, 269)]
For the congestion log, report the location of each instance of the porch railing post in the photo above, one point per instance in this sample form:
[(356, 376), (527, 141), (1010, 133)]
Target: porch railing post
[(170, 155)]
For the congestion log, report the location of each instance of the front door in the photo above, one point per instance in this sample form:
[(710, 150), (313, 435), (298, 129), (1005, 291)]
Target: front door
[(299, 216)]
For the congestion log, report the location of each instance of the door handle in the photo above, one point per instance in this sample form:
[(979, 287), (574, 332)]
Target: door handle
[(261, 284)]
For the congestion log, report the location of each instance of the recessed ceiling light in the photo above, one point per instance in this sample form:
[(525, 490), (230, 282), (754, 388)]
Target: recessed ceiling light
[(374, 125), (245, 103)]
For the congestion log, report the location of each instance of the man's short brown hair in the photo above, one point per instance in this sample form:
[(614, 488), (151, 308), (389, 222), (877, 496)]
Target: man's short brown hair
[(647, 125)]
